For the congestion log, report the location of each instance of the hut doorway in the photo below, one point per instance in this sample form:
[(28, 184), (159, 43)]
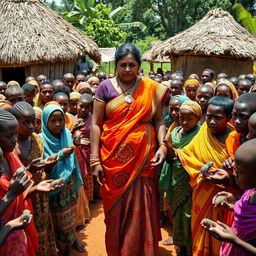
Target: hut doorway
[(17, 74)]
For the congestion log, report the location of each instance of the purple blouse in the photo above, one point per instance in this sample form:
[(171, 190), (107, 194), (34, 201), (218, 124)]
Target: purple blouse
[(106, 91)]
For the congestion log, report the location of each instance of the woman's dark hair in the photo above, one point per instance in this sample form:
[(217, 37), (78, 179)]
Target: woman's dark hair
[(125, 49), (62, 88), (46, 82), (224, 102)]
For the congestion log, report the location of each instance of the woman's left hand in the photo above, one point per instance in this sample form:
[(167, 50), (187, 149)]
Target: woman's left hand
[(44, 186), (158, 158)]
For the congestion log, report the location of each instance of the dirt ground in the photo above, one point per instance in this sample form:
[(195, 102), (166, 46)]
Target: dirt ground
[(93, 235)]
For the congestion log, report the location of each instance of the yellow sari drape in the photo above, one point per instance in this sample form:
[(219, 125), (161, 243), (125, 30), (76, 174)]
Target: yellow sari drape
[(203, 148), (128, 140)]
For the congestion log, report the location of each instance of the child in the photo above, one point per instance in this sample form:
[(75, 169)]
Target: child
[(244, 86), (191, 86), (62, 98), (45, 95), (30, 147), (3, 87), (207, 145), (179, 193), (14, 94), (72, 106), (240, 239), (203, 95), (227, 89), (29, 92), (63, 201), (176, 87), (84, 107), (38, 121)]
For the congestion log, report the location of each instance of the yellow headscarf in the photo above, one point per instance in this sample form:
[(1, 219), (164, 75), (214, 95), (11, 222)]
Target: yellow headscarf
[(191, 82), (82, 85), (4, 104), (35, 83), (53, 102), (193, 106), (74, 95), (38, 111), (230, 86), (13, 83)]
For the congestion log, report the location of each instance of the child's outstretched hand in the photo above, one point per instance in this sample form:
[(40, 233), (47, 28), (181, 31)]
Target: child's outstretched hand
[(35, 165), (44, 186), (67, 151), (228, 203), (221, 232), (19, 183), (217, 176), (18, 223)]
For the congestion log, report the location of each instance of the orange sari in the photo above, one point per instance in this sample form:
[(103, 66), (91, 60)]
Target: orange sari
[(70, 123), (21, 242), (233, 143), (203, 148), (128, 140)]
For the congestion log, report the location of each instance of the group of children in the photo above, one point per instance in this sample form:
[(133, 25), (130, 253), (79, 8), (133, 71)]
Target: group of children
[(45, 128)]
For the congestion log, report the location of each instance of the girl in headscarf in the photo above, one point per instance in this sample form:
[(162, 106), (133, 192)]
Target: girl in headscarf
[(178, 190), (84, 87), (38, 122), (227, 89), (57, 139), (190, 87)]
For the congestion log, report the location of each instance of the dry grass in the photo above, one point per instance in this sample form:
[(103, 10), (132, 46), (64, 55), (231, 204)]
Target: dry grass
[(217, 34), (32, 33)]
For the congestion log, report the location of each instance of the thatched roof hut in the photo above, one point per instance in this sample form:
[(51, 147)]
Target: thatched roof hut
[(217, 42), (35, 39), (147, 56)]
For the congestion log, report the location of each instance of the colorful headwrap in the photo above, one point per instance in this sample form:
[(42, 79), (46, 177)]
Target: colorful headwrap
[(2, 97), (193, 106), (35, 83), (13, 83), (230, 86), (4, 104), (38, 111), (74, 95), (83, 85), (194, 75), (191, 82), (181, 98), (93, 78), (51, 103)]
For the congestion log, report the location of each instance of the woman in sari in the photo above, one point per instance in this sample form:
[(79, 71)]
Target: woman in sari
[(179, 192), (127, 119), (207, 145)]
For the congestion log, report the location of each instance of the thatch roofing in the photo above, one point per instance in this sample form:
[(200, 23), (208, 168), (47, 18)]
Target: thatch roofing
[(147, 56), (217, 34), (32, 33)]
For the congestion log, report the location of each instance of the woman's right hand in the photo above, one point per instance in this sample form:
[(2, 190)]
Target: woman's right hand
[(228, 203), (19, 183), (98, 172)]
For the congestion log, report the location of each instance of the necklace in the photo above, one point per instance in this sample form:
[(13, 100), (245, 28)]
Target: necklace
[(128, 93)]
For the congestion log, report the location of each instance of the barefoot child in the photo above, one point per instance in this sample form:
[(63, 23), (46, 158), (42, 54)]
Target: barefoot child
[(30, 147), (203, 95), (179, 194), (240, 240), (58, 140)]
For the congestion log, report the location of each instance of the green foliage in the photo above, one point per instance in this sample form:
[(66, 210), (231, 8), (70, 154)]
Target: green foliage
[(245, 18), (96, 21), (144, 44)]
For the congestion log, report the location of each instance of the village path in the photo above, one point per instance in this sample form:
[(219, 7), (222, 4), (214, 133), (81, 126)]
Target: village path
[(93, 235)]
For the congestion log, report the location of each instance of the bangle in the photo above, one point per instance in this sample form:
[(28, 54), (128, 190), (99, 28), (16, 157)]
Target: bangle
[(163, 147), (92, 164), (94, 155)]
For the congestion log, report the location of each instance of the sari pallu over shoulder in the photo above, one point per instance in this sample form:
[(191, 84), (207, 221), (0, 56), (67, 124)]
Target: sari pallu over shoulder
[(128, 140)]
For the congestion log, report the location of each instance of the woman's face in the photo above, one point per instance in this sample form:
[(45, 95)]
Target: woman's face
[(187, 119), (56, 122), (191, 91), (127, 68), (224, 90), (47, 93)]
